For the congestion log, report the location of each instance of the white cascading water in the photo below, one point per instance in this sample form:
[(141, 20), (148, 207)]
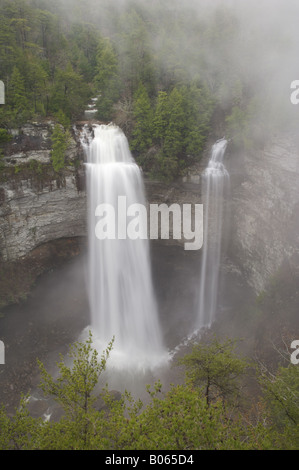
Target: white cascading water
[(122, 300), (214, 180)]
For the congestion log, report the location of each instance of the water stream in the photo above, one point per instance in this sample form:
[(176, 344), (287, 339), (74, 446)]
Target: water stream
[(215, 181), (121, 295)]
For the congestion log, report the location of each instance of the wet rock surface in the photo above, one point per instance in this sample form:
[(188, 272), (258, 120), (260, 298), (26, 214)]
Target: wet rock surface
[(265, 210), (38, 205)]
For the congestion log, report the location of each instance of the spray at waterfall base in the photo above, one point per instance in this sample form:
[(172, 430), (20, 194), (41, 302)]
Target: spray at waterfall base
[(136, 223)]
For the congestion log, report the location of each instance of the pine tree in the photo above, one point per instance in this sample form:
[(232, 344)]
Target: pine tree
[(70, 93), (142, 111), (174, 137), (17, 91), (106, 64), (135, 53), (106, 79), (60, 139), (216, 368), (161, 118)]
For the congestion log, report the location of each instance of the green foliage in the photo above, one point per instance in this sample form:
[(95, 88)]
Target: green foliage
[(62, 119), (69, 92), (164, 168), (84, 39), (106, 63), (180, 419), (136, 57), (281, 395), (60, 142), (17, 96), (174, 135), (18, 432), (17, 87), (36, 167), (106, 79), (142, 112), (53, 65), (74, 386), (73, 390), (4, 136), (56, 58), (43, 68), (161, 118), (2, 164), (180, 128), (216, 368)]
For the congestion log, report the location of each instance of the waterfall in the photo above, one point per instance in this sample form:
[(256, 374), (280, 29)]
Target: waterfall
[(121, 294), (214, 182)]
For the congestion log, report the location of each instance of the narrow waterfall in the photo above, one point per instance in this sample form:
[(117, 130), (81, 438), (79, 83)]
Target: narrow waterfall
[(214, 183), (121, 294)]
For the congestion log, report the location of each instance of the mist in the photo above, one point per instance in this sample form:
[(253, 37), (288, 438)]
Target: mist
[(222, 43)]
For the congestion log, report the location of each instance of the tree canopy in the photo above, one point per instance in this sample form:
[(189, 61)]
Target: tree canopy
[(56, 56), (180, 418), (54, 60)]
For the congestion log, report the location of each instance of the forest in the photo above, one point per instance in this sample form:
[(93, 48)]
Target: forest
[(160, 89)]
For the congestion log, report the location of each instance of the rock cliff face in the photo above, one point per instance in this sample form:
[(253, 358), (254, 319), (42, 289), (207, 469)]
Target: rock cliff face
[(265, 210), (37, 205), (29, 219)]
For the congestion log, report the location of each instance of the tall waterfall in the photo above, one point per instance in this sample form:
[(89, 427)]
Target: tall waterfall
[(122, 299), (214, 180)]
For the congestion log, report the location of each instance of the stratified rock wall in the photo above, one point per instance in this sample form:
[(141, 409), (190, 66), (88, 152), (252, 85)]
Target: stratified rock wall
[(32, 214), (28, 219), (265, 210)]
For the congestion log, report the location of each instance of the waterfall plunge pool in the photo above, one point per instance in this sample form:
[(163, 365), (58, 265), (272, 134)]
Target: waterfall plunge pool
[(57, 312)]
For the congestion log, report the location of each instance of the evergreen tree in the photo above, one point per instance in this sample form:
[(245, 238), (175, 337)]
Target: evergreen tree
[(106, 63), (216, 368), (174, 135), (198, 112), (17, 91), (17, 97), (143, 116), (106, 78), (8, 48), (135, 54), (60, 141), (70, 92), (161, 118), (37, 81), (281, 397)]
